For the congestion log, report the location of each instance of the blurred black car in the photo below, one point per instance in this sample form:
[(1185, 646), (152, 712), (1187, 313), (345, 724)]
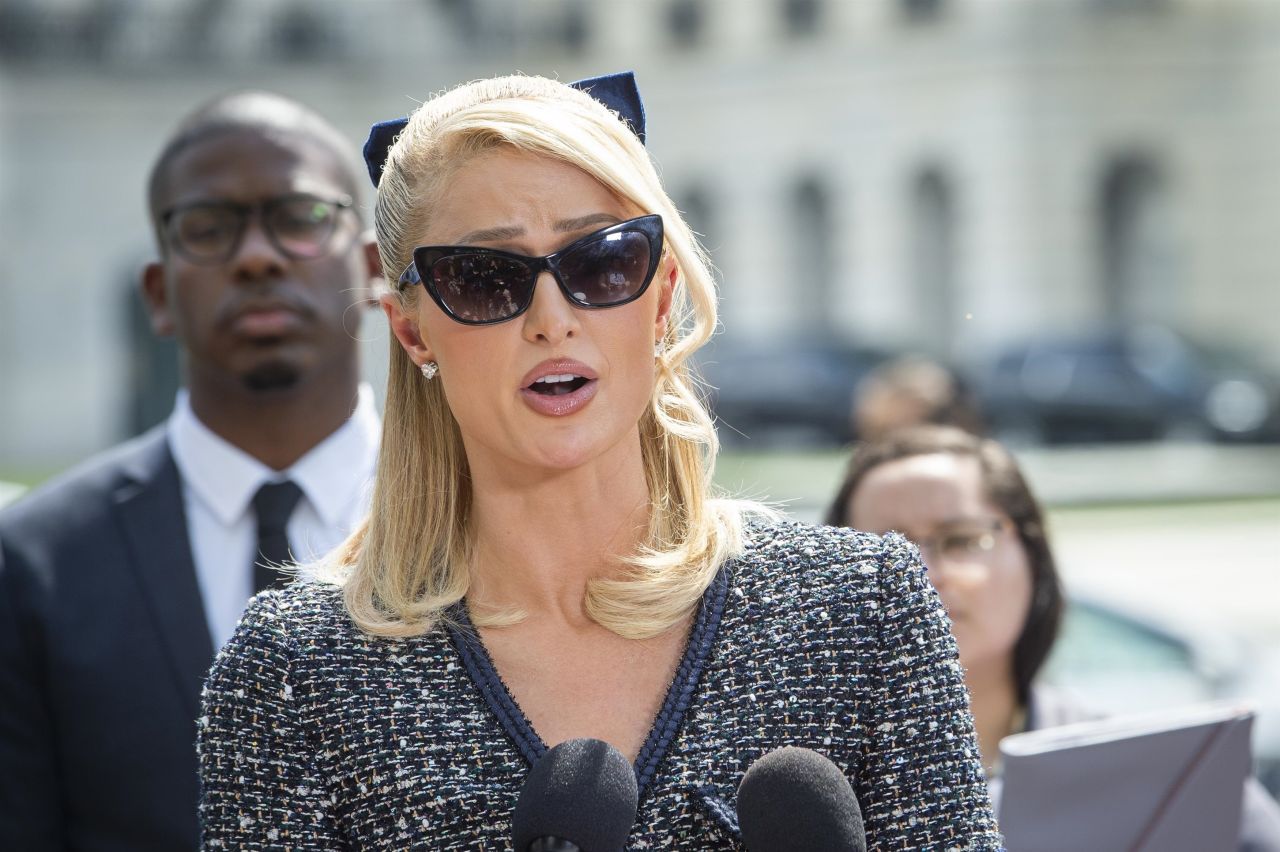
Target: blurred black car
[(783, 394), (1146, 384)]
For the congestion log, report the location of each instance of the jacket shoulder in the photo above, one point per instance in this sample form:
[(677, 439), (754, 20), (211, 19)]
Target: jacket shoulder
[(306, 613), (84, 493), (789, 553)]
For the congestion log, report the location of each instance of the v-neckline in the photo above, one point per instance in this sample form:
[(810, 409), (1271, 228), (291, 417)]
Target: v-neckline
[(484, 675)]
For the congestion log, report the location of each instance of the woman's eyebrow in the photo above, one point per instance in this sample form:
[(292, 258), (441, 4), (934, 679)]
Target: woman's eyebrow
[(510, 232), (590, 219), (485, 235), (965, 521)]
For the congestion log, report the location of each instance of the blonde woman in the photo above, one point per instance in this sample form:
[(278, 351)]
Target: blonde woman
[(543, 559)]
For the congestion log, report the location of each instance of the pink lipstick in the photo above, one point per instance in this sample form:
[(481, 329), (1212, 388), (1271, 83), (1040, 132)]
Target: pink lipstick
[(559, 387)]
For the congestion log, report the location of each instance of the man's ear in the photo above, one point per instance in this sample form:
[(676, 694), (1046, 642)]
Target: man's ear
[(155, 296), (375, 281), (404, 326)]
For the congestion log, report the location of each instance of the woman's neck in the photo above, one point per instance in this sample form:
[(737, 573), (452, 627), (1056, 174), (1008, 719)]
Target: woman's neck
[(996, 710), (540, 539)]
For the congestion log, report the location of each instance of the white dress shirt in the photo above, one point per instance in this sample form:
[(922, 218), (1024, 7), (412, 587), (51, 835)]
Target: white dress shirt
[(218, 484)]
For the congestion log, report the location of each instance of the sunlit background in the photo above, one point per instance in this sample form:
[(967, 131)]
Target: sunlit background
[(1073, 203)]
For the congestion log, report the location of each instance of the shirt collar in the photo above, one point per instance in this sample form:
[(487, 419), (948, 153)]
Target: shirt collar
[(342, 464), (225, 477)]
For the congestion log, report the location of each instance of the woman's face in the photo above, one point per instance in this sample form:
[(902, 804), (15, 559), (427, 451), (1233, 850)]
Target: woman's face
[(532, 205), (974, 556)]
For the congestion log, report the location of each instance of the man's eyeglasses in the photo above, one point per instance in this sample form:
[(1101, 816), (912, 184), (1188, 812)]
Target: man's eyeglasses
[(479, 286), (964, 540), (300, 226)]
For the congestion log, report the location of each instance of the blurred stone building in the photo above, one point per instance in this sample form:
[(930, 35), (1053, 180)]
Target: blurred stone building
[(947, 175)]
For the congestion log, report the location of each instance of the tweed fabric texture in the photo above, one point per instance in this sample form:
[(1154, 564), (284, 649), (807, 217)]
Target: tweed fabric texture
[(317, 736)]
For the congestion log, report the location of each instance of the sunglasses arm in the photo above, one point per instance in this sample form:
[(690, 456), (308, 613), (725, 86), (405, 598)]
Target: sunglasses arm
[(409, 277)]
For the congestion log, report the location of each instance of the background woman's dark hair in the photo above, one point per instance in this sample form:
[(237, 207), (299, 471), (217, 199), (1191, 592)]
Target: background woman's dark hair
[(1008, 490)]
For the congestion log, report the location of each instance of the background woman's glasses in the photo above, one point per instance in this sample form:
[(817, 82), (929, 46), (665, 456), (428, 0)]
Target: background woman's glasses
[(299, 226), (478, 286), (966, 539)]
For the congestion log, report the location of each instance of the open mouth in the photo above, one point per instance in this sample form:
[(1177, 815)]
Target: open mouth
[(557, 385)]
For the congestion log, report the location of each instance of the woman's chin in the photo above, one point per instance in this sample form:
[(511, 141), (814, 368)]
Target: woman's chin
[(563, 458), (556, 448), (984, 664), (568, 452), (585, 443)]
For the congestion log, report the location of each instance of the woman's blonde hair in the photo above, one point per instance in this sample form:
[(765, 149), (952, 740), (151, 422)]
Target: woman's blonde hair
[(409, 561)]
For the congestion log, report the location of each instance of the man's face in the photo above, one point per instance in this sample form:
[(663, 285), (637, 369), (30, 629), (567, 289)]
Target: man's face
[(259, 318)]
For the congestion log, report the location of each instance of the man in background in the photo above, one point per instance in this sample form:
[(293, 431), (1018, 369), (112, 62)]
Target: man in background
[(119, 580)]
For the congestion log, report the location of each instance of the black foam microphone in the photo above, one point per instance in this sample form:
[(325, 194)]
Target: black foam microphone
[(580, 796), (795, 800)]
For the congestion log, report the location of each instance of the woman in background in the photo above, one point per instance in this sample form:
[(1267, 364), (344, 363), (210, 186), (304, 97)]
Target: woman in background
[(982, 534)]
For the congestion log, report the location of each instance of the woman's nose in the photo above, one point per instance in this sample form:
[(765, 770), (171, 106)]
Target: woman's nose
[(935, 566), (550, 317)]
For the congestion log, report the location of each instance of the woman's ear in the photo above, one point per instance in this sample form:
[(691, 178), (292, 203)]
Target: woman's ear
[(404, 325), (667, 275)]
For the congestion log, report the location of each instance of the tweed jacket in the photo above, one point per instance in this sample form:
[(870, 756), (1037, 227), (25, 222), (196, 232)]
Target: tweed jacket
[(314, 735)]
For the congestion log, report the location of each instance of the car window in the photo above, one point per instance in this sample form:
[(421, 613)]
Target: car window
[(1115, 663), (1097, 640)]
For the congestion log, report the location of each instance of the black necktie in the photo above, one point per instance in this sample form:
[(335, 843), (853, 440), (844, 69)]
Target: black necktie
[(273, 504)]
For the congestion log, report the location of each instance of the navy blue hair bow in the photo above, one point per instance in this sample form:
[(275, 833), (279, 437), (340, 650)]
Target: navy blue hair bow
[(616, 91), (619, 93)]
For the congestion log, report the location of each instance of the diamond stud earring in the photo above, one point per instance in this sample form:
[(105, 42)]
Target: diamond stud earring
[(429, 370)]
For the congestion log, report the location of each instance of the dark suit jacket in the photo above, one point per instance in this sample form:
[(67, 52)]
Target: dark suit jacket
[(103, 651)]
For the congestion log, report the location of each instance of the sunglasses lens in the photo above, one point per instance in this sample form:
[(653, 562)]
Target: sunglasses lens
[(482, 288), (609, 270)]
